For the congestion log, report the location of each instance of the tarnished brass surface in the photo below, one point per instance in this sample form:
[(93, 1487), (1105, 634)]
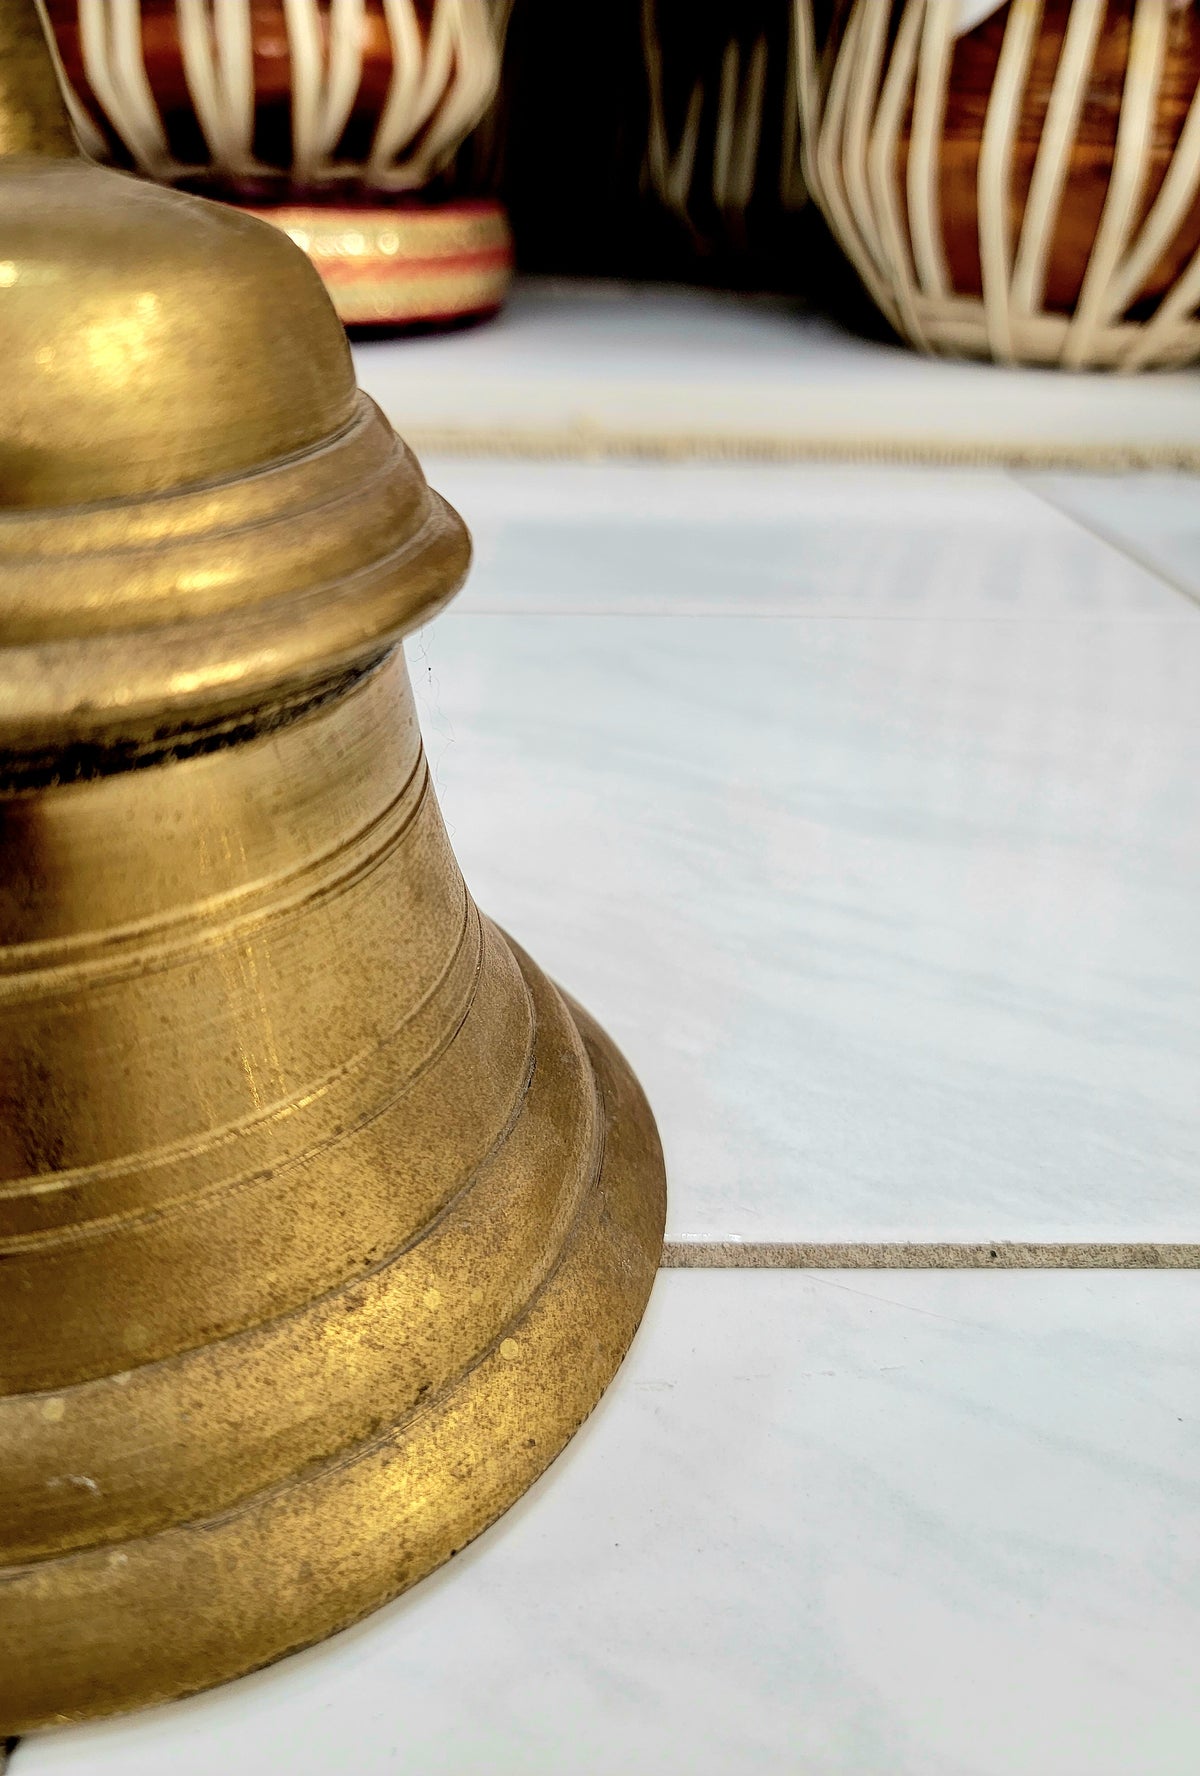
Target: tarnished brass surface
[(324, 1218)]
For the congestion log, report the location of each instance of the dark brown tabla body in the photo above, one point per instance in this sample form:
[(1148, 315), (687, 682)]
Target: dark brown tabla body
[(972, 78), (336, 121), (273, 75)]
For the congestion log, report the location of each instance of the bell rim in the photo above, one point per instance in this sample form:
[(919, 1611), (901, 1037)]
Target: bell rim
[(554, 1362)]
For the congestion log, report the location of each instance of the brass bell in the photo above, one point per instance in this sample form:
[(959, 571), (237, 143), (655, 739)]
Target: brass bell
[(324, 1218)]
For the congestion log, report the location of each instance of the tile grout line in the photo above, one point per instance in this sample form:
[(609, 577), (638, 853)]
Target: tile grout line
[(730, 613), (929, 1255), (1120, 545), (600, 442)]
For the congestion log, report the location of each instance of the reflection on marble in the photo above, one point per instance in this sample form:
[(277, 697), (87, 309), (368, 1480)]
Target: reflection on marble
[(1153, 519), (904, 1525), (592, 368), (771, 538), (897, 921)]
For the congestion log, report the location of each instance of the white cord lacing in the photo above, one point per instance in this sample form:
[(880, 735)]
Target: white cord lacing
[(442, 81)]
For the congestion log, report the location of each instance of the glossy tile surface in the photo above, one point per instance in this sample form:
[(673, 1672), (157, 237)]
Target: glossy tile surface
[(906, 1525), (896, 919), (761, 539), (593, 368)]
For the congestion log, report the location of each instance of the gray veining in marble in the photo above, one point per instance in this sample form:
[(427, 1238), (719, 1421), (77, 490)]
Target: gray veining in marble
[(897, 921), (765, 539)]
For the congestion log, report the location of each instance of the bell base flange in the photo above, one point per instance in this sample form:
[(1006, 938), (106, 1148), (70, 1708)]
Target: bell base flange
[(404, 268), (199, 1604)]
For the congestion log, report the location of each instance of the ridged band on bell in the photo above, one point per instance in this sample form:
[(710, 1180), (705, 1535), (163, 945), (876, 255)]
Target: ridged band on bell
[(324, 1218)]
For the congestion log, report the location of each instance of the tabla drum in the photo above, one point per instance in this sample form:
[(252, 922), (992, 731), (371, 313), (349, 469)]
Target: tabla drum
[(335, 119), (1018, 181)]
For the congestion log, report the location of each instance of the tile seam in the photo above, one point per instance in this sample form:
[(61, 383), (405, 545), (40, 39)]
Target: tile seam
[(930, 1255), (1101, 534), (602, 442)]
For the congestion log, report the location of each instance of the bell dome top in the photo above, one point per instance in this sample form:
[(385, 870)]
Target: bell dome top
[(202, 520), (152, 341)]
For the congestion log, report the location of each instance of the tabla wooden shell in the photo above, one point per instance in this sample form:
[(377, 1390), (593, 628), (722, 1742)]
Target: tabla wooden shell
[(1028, 190), (327, 113)]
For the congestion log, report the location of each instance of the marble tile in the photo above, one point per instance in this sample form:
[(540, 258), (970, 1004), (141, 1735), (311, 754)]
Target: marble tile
[(1153, 519), (903, 1525), (757, 539), (593, 369), (897, 921)]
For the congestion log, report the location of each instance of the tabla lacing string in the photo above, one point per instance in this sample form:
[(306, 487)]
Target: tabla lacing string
[(793, 192), (1175, 197), (475, 73), (110, 34), (1131, 162), (669, 173), (929, 111), (904, 78), (217, 52), (739, 127), (435, 100), (93, 143), (673, 172), (899, 251), (995, 174), (442, 81), (1053, 159), (828, 171), (863, 91)]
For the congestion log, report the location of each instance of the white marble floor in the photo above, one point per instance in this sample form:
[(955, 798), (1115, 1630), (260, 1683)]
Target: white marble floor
[(863, 805), (921, 1524), (1153, 520), (610, 367)]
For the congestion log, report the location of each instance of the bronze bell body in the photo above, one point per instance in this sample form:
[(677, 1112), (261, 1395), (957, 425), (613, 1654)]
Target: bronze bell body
[(324, 1218)]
